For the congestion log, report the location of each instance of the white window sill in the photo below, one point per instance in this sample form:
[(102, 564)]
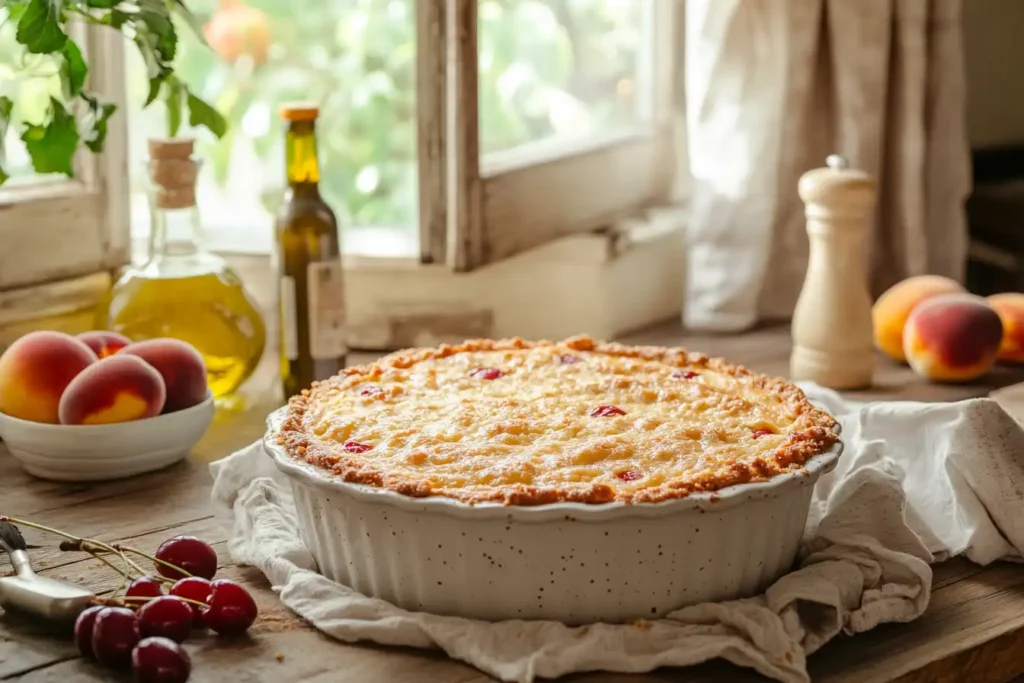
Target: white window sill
[(602, 284)]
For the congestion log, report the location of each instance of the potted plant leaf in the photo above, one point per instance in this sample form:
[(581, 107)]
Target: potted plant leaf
[(80, 116)]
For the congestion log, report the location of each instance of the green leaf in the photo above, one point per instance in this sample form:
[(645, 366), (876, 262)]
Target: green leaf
[(157, 68), (115, 18), (174, 107), (75, 69), (102, 4), (155, 84), (6, 106), (94, 122), (52, 147), (202, 114), (39, 28), (156, 19)]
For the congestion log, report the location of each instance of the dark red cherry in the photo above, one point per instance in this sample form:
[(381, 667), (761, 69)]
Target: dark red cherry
[(758, 433), (356, 447), (160, 660), (370, 390), (196, 557), (567, 359), (232, 609), (632, 474), (197, 589), (167, 617), (83, 630), (114, 634), (143, 587), (486, 373), (684, 374), (607, 411)]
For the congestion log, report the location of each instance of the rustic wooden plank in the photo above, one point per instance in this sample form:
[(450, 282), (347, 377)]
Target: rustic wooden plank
[(305, 656), (27, 644), (432, 129), (466, 237), (954, 570)]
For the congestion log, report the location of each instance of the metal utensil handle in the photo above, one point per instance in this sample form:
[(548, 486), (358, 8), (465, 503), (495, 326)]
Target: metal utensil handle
[(14, 543)]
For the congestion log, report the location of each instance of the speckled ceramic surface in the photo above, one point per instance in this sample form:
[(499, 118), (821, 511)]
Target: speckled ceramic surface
[(569, 562)]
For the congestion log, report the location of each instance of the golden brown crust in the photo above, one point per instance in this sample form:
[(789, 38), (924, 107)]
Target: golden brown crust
[(813, 430)]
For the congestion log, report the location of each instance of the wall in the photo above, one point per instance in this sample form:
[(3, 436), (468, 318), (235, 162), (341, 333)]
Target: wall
[(994, 46)]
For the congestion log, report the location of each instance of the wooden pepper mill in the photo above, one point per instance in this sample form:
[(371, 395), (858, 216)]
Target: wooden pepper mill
[(832, 339)]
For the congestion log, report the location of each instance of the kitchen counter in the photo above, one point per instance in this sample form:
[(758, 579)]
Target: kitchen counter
[(973, 629)]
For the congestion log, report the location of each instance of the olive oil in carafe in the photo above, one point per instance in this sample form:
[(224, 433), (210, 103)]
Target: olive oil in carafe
[(183, 291), (208, 310)]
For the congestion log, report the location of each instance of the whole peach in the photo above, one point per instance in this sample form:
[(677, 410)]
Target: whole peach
[(113, 389), (180, 365), (1010, 307), (890, 312), (103, 342), (35, 370), (952, 337)]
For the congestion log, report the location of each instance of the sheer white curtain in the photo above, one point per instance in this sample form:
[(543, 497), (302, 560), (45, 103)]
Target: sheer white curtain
[(775, 86)]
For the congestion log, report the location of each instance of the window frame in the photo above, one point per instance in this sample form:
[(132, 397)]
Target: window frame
[(62, 228), (486, 211), (471, 213)]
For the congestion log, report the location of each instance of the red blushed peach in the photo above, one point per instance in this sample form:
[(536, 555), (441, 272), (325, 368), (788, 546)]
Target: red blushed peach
[(1010, 307), (892, 309), (181, 366), (103, 342), (35, 370), (114, 389), (952, 337)]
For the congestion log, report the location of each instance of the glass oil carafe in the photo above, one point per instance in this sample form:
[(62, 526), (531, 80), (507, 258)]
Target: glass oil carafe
[(181, 290)]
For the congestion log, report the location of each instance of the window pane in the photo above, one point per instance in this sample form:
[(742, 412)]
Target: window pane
[(356, 58), (29, 80), (560, 69)]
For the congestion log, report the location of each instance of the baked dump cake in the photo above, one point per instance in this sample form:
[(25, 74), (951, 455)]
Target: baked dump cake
[(531, 423)]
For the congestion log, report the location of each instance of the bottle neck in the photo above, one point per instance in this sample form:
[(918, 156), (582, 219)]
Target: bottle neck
[(303, 168), (175, 233)]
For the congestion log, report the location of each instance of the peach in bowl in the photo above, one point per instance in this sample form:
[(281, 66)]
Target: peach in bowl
[(92, 408)]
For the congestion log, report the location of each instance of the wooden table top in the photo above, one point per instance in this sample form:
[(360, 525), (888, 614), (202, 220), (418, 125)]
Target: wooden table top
[(973, 630)]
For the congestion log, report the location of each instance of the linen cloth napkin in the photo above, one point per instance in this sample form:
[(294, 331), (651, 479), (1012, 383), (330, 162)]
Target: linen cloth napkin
[(917, 483)]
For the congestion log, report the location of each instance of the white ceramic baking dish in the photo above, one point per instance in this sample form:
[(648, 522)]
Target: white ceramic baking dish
[(568, 562)]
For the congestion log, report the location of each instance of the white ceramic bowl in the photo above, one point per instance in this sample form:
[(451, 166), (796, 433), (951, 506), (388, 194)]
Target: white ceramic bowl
[(568, 562), (111, 451)]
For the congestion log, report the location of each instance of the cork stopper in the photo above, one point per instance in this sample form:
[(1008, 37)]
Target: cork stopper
[(299, 111), (173, 171), (838, 188)]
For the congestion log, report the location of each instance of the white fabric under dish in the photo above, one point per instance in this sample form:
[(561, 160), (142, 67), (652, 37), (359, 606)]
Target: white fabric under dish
[(918, 483)]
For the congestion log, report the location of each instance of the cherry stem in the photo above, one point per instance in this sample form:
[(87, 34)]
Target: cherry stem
[(152, 558), (124, 574), (83, 544), (104, 560), (147, 598), (86, 546)]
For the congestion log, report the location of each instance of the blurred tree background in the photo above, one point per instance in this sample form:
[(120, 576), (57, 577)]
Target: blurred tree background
[(548, 69)]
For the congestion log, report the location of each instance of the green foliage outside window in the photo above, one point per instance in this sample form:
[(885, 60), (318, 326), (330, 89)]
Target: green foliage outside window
[(547, 68)]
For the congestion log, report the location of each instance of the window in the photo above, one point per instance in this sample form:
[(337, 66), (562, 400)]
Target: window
[(53, 227), (458, 133), (356, 58), (454, 134), (589, 86)]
